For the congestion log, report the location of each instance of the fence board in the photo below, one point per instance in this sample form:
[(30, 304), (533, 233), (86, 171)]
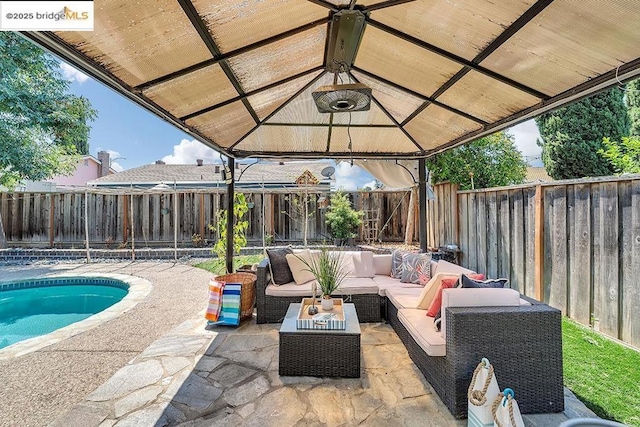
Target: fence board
[(481, 233), (518, 242), (472, 224), (630, 238), (606, 259), (463, 243), (504, 235), (557, 269), (492, 234), (580, 279)]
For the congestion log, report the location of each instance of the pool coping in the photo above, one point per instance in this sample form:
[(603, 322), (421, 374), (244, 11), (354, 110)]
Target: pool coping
[(139, 289)]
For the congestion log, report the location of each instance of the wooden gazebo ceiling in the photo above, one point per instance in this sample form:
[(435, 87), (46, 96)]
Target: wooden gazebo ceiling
[(238, 74)]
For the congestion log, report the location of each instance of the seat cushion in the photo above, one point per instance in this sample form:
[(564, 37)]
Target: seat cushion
[(404, 297), (357, 286), (385, 282), (290, 290), (421, 329)]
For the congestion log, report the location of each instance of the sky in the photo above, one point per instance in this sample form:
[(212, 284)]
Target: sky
[(135, 137)]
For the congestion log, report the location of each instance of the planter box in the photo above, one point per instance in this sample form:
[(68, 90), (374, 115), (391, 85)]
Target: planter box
[(332, 319)]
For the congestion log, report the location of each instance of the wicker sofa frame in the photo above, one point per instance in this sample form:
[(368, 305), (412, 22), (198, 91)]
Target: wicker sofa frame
[(528, 358), (272, 309)]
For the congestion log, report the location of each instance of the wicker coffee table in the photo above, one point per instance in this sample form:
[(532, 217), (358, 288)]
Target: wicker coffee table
[(320, 353)]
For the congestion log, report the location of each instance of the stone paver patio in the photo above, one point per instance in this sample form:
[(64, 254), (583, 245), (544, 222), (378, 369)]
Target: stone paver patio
[(193, 376)]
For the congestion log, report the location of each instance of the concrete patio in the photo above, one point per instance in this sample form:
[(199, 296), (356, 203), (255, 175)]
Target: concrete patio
[(158, 365)]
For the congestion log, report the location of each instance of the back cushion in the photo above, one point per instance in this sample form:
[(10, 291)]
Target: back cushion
[(491, 297), (447, 267), (346, 262), (382, 264), (299, 268), (280, 271), (363, 264)]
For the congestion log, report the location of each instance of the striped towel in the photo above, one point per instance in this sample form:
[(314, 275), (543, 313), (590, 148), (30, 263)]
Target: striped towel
[(230, 313), (215, 300)]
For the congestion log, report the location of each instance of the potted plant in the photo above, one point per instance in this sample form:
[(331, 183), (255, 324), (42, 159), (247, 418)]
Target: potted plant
[(328, 271), (342, 219)]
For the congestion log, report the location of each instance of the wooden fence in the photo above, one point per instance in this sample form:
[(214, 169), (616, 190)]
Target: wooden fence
[(574, 244), (57, 219)]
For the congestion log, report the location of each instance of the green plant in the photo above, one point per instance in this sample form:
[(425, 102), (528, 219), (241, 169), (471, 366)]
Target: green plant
[(623, 156), (328, 271), (341, 218), (108, 242), (240, 226)]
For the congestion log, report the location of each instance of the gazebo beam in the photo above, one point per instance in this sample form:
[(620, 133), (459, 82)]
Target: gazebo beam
[(422, 198), (230, 216)]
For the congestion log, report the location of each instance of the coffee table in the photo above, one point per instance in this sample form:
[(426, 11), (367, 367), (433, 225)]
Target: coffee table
[(317, 352)]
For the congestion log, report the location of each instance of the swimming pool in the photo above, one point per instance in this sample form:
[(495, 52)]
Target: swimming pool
[(38, 307)]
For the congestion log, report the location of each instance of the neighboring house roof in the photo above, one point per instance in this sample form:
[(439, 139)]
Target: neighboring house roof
[(194, 175), (537, 175)]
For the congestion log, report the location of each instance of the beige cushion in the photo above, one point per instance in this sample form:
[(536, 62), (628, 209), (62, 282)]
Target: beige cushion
[(404, 297), (430, 289), (290, 290), (421, 329), (346, 262), (299, 269), (363, 264), (477, 297), (382, 264), (434, 267), (448, 267), (384, 282), (357, 286)]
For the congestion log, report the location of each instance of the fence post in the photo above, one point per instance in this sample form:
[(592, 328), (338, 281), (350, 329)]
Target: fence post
[(51, 223), (538, 244), (422, 199)]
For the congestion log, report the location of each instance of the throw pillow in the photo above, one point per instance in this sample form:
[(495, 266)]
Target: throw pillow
[(472, 281), (446, 283), (396, 263), (416, 268), (278, 266), (430, 289), (363, 264), (299, 269), (382, 264)]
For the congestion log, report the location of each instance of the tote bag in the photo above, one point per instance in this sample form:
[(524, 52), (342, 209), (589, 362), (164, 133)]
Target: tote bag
[(230, 311), (505, 410), (482, 392)]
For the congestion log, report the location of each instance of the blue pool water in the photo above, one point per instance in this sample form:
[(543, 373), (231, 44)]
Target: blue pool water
[(36, 307)]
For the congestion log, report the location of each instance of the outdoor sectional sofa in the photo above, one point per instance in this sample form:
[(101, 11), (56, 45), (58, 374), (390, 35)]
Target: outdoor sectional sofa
[(521, 337)]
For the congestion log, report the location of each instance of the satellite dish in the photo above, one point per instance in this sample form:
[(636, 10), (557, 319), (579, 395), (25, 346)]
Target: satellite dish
[(328, 171)]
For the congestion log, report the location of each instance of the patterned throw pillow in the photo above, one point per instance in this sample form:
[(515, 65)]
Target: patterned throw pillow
[(473, 282), (416, 268), (278, 265), (396, 263)]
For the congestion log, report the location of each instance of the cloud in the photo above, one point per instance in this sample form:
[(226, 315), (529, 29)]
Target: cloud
[(71, 74), (347, 176), (371, 185), (188, 151), (525, 135)]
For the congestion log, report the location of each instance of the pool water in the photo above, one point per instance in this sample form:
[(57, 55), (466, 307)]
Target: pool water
[(38, 310)]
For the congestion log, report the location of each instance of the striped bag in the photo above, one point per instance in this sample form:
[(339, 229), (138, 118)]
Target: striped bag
[(230, 312), (215, 300)]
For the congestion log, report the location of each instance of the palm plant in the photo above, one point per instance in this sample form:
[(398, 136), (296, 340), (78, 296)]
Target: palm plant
[(328, 270)]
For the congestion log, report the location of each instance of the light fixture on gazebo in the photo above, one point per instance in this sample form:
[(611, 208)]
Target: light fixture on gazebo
[(345, 34)]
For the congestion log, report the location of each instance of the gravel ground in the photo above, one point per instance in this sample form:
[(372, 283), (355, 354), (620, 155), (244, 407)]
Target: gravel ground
[(37, 387)]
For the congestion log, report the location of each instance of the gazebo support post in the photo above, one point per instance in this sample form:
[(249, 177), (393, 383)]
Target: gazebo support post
[(422, 198), (230, 216)]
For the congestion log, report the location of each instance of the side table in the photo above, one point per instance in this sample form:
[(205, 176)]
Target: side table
[(320, 353)]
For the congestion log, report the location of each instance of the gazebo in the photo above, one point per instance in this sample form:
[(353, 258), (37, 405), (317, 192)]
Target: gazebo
[(352, 79)]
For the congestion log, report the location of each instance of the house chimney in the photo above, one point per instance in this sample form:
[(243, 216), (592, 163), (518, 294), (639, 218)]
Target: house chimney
[(105, 162), (160, 162), (199, 162), (217, 169)]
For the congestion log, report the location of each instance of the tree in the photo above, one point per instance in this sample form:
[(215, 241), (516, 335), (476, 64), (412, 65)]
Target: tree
[(572, 135), (632, 93), (42, 126), (492, 161), (341, 218), (624, 156)]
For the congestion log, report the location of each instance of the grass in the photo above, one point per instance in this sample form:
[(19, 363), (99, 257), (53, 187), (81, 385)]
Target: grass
[(603, 374), (217, 265)]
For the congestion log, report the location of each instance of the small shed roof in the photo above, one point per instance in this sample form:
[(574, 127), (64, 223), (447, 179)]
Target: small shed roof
[(239, 74)]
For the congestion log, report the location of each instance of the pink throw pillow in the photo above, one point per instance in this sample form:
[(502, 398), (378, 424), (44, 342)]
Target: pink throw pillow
[(447, 283)]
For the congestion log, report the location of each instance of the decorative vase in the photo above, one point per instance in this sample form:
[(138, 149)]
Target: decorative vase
[(327, 304)]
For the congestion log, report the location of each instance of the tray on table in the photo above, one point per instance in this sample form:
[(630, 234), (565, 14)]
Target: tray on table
[(331, 319)]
